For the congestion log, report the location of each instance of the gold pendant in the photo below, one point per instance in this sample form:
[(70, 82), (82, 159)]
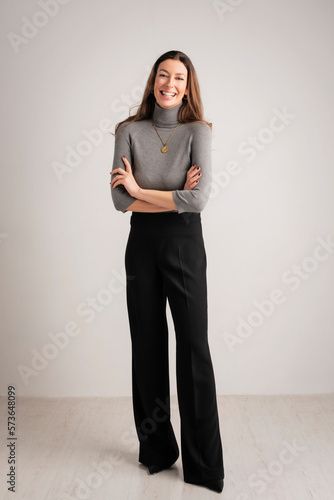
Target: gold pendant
[(164, 149)]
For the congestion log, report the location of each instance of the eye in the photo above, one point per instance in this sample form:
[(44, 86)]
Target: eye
[(179, 78)]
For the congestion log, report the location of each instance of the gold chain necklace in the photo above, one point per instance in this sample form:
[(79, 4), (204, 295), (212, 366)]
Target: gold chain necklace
[(164, 148)]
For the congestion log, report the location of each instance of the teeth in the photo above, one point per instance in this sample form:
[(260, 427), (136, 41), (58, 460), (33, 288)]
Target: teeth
[(167, 93)]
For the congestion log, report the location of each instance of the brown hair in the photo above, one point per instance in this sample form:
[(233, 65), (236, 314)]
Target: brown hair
[(191, 108)]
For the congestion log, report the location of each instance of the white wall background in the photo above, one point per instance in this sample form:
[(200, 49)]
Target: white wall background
[(71, 72)]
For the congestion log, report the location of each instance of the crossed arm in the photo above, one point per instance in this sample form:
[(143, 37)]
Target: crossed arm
[(150, 200), (130, 197), (144, 206)]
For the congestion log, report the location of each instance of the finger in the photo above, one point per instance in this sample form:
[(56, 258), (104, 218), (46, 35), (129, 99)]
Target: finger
[(195, 169), (126, 162), (116, 180), (194, 175), (117, 170), (116, 183)]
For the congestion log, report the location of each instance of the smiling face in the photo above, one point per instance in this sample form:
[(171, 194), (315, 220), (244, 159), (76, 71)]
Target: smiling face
[(170, 83)]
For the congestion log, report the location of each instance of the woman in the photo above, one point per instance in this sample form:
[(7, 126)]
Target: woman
[(165, 258)]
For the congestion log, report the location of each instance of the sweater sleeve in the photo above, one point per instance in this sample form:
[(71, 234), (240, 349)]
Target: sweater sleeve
[(121, 198), (194, 200)]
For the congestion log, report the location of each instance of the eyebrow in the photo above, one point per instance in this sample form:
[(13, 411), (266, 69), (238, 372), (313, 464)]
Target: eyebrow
[(175, 73)]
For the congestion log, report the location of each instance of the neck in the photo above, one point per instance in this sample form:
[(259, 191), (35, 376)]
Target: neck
[(165, 117)]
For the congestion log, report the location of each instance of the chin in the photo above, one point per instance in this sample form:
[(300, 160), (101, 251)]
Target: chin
[(168, 104)]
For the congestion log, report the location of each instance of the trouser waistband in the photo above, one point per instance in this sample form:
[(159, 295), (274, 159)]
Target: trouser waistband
[(165, 219)]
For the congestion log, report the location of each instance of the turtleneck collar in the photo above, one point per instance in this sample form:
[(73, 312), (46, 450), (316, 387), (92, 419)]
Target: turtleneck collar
[(163, 117)]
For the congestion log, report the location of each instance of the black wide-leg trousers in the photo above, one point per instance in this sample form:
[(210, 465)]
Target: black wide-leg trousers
[(165, 258)]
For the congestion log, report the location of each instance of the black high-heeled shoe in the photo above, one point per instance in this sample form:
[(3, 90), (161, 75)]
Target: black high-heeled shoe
[(213, 484), (157, 468), (153, 468)]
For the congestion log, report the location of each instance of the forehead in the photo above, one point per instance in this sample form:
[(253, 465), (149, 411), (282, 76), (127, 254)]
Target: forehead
[(173, 66)]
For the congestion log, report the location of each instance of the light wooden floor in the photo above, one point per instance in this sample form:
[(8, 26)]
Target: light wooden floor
[(278, 448)]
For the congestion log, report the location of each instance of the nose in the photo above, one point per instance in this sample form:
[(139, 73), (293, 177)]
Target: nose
[(170, 82)]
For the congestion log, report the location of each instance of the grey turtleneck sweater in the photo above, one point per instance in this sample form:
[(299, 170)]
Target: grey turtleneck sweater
[(140, 143)]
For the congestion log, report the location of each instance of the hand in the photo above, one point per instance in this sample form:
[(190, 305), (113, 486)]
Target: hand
[(125, 177), (193, 176)]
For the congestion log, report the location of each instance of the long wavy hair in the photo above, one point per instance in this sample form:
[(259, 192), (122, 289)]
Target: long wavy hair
[(191, 109)]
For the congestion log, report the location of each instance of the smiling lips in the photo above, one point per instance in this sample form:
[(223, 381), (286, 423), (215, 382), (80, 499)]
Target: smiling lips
[(167, 94)]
